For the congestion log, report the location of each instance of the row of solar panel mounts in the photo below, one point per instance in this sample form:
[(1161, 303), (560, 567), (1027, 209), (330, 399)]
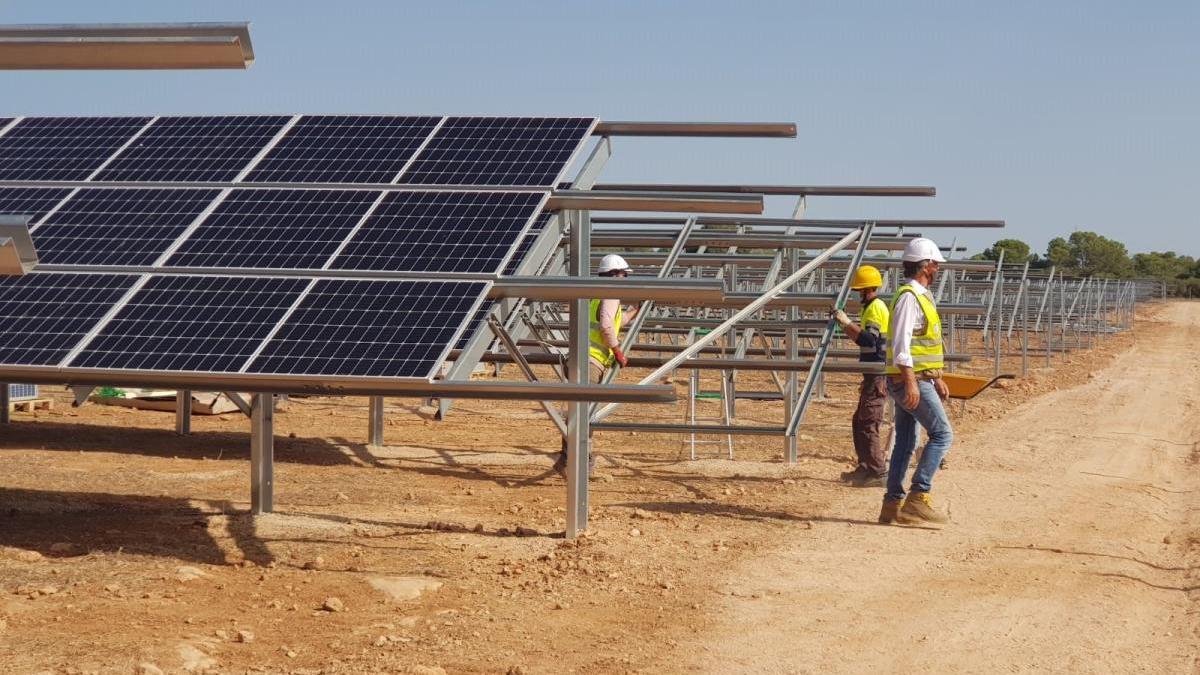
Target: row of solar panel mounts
[(234, 321)]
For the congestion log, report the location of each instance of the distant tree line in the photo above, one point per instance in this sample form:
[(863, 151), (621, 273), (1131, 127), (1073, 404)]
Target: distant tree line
[(1091, 254)]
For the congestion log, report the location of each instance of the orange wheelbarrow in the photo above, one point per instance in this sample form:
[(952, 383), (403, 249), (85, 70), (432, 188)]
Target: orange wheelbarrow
[(967, 387)]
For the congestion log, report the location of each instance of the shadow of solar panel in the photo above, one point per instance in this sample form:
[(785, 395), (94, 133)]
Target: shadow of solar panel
[(192, 324), (343, 149), (370, 328), (31, 202), (514, 151), (526, 244), (63, 148), (276, 229), (469, 232), (44, 315), (194, 149), (118, 226)]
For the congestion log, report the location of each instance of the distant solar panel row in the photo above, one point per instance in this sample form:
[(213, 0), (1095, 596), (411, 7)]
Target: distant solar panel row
[(212, 324), (491, 151)]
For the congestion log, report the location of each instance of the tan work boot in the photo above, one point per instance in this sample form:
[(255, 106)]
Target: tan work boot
[(890, 511), (918, 509)]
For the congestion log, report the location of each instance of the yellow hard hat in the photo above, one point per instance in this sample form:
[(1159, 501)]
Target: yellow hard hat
[(866, 277)]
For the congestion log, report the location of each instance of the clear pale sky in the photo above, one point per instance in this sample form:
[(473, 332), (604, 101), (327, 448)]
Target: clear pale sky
[(1052, 115)]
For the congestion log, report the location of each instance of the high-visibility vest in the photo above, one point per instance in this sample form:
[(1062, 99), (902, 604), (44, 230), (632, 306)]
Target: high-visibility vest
[(597, 348), (926, 346), (874, 315)]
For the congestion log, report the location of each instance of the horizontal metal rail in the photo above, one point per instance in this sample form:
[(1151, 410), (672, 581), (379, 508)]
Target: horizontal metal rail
[(716, 129), (667, 428), (785, 190)]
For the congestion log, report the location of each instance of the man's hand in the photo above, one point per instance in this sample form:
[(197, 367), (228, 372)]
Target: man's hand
[(840, 317), (912, 394), (620, 356), (943, 391)]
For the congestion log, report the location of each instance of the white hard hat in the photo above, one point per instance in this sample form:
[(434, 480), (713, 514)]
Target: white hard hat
[(922, 249), (613, 262)]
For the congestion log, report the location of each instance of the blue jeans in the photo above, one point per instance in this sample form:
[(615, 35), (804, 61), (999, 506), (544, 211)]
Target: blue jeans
[(932, 416)]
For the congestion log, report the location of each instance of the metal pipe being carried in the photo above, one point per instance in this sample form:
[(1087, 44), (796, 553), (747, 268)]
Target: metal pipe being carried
[(743, 313)]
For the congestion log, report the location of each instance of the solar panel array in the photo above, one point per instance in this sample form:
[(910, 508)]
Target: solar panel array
[(310, 217)]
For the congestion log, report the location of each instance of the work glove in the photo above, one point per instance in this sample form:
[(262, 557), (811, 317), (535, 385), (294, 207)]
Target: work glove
[(840, 317), (620, 357)]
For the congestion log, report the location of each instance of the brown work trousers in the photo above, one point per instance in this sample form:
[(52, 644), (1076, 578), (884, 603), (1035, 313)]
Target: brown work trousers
[(868, 420)]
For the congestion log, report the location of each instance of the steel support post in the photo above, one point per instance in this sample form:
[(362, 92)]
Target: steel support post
[(183, 412), (999, 306), (578, 422), (375, 422), (262, 453), (5, 403), (1025, 329)]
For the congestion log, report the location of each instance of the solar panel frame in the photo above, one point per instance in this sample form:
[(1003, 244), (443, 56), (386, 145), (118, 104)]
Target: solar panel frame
[(376, 317), (118, 226), (406, 232), (296, 159), (194, 149), (63, 148), (45, 315), (218, 331), (483, 151), (242, 231)]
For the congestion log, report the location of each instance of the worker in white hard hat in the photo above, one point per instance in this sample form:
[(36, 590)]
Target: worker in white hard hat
[(606, 316), (871, 337), (914, 368)]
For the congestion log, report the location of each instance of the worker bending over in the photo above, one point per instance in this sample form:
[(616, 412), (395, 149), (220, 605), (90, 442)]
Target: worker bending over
[(914, 367), (871, 338), (604, 339)]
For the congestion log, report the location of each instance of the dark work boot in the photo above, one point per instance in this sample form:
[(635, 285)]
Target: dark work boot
[(890, 510)]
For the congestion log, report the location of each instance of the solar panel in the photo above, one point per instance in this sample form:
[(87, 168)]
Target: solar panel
[(515, 151), (344, 149), (118, 226), (192, 323), (194, 149), (294, 229), (44, 315), (526, 243), (33, 202), (470, 232), (475, 324), (370, 328), (63, 148)]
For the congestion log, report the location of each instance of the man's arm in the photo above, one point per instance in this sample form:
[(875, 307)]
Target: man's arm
[(903, 320)]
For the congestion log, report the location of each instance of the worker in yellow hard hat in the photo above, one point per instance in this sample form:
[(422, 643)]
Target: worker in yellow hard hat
[(871, 338)]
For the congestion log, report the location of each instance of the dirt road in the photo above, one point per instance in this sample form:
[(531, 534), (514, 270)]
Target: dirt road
[(1074, 547)]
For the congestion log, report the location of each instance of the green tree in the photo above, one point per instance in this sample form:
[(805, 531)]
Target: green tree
[(1015, 251), (1097, 255), (1058, 253)]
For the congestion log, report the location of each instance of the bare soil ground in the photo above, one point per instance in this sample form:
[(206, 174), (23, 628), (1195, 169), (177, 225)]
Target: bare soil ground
[(1075, 544)]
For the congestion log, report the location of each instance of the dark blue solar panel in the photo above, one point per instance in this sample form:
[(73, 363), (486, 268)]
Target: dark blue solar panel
[(440, 232), (476, 324), (292, 229), (118, 226), (370, 328), (526, 243), (32, 202), (344, 149), (194, 149), (63, 148), (192, 323), (44, 315), (499, 151)]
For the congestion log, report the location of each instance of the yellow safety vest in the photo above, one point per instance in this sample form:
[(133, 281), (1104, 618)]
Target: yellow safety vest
[(598, 349), (874, 315), (927, 346)]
